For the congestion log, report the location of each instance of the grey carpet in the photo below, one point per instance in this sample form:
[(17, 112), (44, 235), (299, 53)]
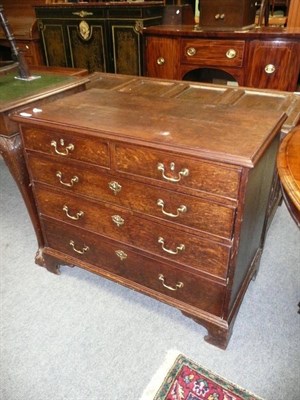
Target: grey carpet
[(78, 336)]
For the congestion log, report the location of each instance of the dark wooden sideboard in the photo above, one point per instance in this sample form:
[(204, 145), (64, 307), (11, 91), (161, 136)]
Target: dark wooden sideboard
[(266, 58), (100, 36), (170, 200)]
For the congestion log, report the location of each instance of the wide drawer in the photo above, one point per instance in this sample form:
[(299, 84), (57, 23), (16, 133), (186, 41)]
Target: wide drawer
[(67, 146), (178, 209), (178, 170), (120, 224), (213, 52), (121, 260)]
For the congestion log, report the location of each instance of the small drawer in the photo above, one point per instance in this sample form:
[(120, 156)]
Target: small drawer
[(179, 171), (217, 53), (94, 251), (66, 146)]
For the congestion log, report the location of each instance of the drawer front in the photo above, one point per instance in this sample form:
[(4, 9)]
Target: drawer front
[(213, 52), (67, 146), (121, 260), (156, 238), (179, 210), (178, 171)]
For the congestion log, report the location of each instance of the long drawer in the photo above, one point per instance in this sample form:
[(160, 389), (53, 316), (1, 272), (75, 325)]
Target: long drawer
[(194, 212), (120, 224), (121, 260)]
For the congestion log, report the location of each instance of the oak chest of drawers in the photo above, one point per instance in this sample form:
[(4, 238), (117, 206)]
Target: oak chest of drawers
[(166, 197)]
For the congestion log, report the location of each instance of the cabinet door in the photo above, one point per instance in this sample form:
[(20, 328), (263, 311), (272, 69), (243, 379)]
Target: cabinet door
[(126, 46), (87, 44), (162, 57), (54, 44), (273, 65)]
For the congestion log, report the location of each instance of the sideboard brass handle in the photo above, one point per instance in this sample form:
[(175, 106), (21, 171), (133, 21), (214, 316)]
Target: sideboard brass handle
[(179, 285), (222, 16), (121, 254), (231, 53), (75, 217), (115, 187), (82, 13), (180, 209), (118, 220), (270, 68), (191, 51), (217, 16), (67, 149), (73, 180), (160, 61), (179, 248), (183, 172), (84, 249)]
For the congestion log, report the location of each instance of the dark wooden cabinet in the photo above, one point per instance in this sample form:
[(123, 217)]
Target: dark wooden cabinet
[(261, 58), (102, 37), (171, 201)]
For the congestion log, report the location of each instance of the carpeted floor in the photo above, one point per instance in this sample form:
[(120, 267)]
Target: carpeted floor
[(80, 337)]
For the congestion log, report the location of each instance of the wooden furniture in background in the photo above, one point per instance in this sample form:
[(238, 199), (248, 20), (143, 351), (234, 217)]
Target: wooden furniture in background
[(294, 14), (288, 164), (14, 95), (97, 36), (264, 58), (21, 17), (171, 201)]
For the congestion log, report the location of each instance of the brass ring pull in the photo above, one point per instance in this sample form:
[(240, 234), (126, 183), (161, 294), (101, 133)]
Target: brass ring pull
[(119, 221), (179, 248), (121, 254), (191, 51), (67, 149), (183, 172), (73, 180), (270, 69), (84, 249), (75, 217), (179, 285), (231, 53), (115, 187), (180, 209), (160, 61)]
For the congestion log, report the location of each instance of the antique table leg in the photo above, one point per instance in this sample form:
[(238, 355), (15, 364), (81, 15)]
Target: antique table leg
[(12, 151)]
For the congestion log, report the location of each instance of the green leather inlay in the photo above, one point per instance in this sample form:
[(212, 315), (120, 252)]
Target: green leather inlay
[(12, 89)]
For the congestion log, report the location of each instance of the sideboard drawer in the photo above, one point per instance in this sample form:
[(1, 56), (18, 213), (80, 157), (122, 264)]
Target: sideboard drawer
[(213, 52), (87, 149), (178, 170), (121, 260)]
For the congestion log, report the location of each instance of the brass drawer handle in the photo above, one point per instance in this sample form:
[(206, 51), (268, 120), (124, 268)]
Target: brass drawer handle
[(160, 61), (82, 13), (119, 221), (180, 209), (121, 254), (115, 187), (231, 53), (183, 172), (220, 16), (75, 217), (179, 285), (191, 51), (179, 248), (84, 249), (270, 69), (73, 180), (67, 149)]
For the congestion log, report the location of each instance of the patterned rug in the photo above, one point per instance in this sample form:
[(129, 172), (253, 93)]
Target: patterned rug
[(182, 379)]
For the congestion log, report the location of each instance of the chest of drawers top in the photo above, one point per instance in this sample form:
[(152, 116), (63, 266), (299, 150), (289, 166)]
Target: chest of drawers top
[(210, 132)]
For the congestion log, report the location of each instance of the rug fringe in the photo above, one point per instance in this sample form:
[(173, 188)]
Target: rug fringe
[(158, 377)]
